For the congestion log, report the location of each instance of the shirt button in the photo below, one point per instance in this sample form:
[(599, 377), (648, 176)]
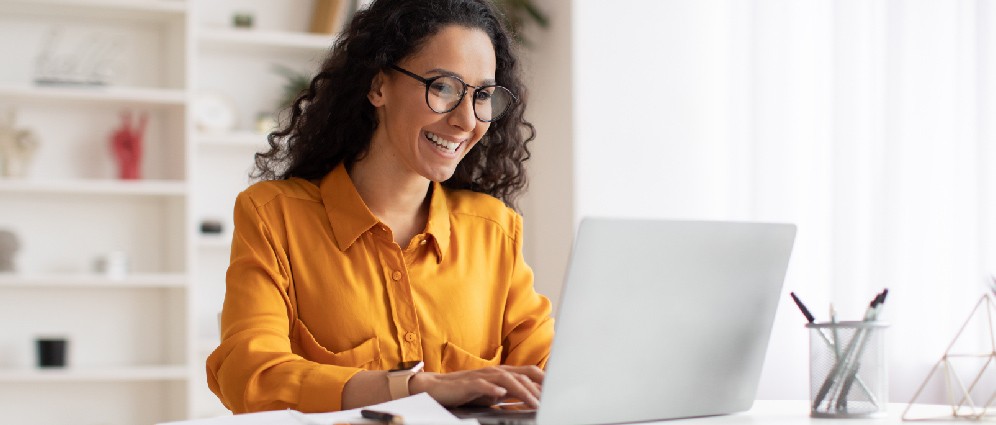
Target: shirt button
[(396, 275), (410, 336)]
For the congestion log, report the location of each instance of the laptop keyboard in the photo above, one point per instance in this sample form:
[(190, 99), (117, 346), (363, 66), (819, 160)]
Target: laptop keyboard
[(496, 416)]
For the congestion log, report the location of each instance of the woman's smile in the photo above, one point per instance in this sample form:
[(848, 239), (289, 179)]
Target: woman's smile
[(443, 144)]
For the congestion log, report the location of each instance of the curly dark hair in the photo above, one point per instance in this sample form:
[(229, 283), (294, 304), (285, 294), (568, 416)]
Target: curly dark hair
[(332, 122)]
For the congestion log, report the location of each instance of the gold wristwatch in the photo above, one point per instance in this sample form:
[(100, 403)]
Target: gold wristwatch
[(397, 379)]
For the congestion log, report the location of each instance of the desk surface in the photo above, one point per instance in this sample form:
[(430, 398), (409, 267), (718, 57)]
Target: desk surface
[(793, 412)]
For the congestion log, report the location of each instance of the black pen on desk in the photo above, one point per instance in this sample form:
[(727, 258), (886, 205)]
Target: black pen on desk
[(383, 417), (802, 307)]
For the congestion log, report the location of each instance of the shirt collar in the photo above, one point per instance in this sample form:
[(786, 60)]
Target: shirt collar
[(439, 221), (348, 214), (350, 217)]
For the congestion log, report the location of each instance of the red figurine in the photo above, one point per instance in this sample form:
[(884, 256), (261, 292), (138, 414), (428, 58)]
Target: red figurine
[(127, 146)]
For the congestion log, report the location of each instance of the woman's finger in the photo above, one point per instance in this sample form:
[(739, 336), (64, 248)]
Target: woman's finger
[(534, 373), (513, 382), (530, 385)]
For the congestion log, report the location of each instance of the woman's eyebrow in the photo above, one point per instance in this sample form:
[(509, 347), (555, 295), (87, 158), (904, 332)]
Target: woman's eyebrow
[(446, 72)]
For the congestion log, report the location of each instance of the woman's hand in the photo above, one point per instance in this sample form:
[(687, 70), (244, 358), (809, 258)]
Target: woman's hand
[(481, 386)]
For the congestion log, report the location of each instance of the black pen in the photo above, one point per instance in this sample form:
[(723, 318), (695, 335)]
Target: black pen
[(383, 417), (802, 307)]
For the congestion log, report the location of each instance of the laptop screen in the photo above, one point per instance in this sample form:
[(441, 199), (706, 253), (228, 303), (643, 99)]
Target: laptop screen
[(663, 319)]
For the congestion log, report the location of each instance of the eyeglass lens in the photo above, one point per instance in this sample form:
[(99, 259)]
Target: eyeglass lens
[(444, 93)]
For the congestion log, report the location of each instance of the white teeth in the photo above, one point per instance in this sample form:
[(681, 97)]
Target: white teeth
[(443, 143)]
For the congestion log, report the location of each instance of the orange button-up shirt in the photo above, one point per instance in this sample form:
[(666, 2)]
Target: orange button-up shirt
[(317, 290)]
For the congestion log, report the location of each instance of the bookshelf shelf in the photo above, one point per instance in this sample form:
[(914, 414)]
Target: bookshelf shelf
[(92, 280), (138, 96), (165, 188), (92, 374), (263, 40)]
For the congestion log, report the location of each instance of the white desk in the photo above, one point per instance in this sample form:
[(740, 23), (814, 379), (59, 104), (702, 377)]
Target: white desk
[(796, 412)]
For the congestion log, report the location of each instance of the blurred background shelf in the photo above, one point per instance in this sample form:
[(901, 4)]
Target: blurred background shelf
[(94, 187), (138, 96), (262, 41), (234, 139), (93, 280), (142, 10), (90, 374)]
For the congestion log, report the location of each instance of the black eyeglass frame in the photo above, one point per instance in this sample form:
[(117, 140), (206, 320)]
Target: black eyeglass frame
[(428, 81)]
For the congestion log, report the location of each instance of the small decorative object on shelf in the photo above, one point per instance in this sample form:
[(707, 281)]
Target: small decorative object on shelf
[(328, 16), (126, 142), (17, 147), (213, 113), (53, 352), (89, 60), (211, 227), (8, 247), (242, 20), (114, 265), (970, 401)]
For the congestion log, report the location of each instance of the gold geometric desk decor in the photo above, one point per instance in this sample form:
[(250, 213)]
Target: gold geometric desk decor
[(959, 397)]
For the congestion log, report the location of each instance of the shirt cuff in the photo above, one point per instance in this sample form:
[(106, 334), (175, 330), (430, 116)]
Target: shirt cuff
[(321, 389)]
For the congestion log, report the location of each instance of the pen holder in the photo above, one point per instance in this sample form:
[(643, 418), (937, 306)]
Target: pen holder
[(847, 369)]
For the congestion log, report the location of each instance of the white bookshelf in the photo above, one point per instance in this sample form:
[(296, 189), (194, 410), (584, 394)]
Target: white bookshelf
[(138, 343), (131, 338)]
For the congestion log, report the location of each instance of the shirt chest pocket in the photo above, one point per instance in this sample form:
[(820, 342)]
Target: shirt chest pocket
[(456, 359), (303, 343)]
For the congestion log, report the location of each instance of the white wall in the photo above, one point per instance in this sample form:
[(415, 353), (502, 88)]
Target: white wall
[(659, 131), (548, 205), (829, 114), (650, 96)]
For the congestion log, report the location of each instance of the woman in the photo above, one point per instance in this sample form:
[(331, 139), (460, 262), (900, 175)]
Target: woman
[(381, 235)]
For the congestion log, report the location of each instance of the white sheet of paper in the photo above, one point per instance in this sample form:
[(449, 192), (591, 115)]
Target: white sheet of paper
[(417, 409), (261, 418)]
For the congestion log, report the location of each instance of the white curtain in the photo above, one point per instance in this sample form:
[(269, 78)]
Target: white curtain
[(870, 123)]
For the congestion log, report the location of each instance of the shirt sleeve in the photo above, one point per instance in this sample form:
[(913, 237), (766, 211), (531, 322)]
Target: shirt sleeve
[(528, 325), (254, 368)]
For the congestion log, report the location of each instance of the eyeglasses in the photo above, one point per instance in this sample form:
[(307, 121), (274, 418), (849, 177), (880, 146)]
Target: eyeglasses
[(445, 92)]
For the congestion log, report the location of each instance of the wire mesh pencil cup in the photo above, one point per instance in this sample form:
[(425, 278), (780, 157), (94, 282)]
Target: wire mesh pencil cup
[(847, 369)]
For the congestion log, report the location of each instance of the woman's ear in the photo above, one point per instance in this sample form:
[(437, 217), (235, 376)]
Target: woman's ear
[(376, 93)]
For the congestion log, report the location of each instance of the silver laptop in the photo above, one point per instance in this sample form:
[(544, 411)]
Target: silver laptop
[(660, 319)]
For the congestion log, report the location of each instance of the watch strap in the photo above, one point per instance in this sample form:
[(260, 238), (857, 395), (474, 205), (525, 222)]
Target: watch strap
[(397, 383), (397, 380)]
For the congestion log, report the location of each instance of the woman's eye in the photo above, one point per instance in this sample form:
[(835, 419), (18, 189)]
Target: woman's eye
[(444, 88), (482, 96)]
